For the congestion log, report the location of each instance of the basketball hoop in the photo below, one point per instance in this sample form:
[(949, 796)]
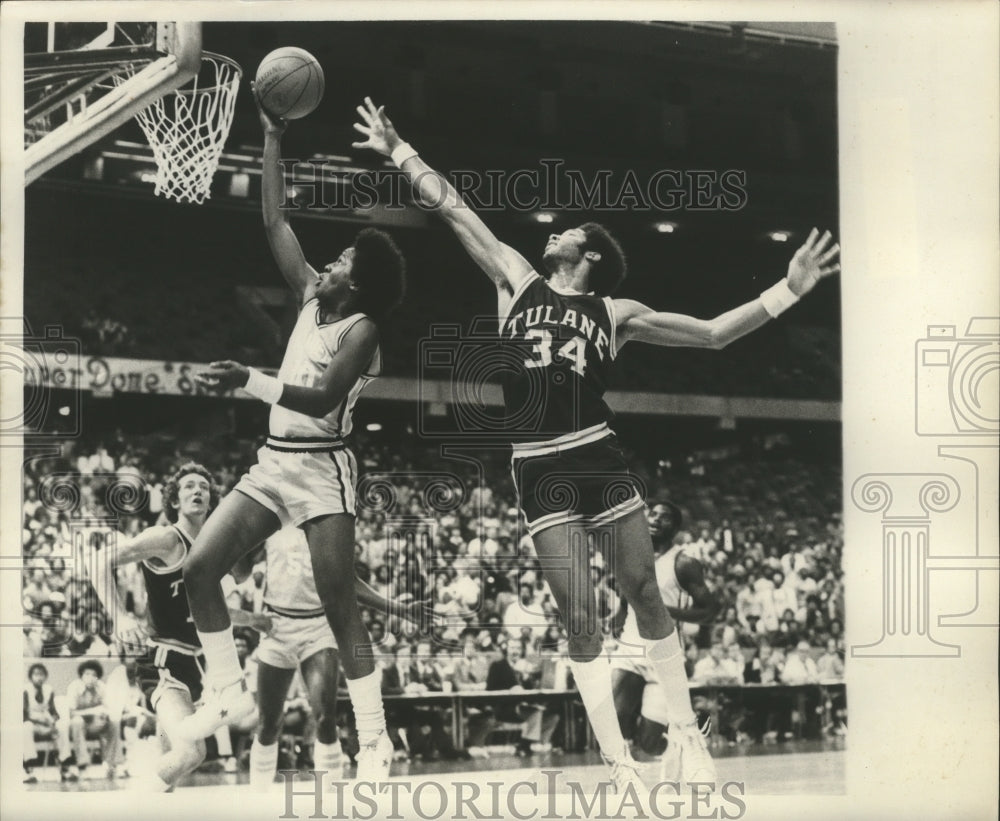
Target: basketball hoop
[(187, 129)]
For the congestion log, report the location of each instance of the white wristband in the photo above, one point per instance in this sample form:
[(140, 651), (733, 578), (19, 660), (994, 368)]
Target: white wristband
[(264, 387), (778, 298), (401, 153)]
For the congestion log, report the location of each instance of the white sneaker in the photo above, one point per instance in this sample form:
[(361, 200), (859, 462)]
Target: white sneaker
[(696, 761), (625, 771), (221, 707), (375, 758)]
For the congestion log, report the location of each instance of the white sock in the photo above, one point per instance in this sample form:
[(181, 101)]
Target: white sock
[(222, 665), (263, 763), (329, 757), (224, 742), (593, 680), (366, 698), (667, 659)]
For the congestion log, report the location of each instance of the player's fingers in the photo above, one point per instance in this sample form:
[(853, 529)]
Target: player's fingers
[(811, 239), (364, 129), (830, 269), (830, 254), (824, 240), (364, 114), (371, 105), (360, 145)]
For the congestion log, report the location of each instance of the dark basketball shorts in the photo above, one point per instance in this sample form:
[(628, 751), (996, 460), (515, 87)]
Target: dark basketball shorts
[(163, 668), (587, 483)]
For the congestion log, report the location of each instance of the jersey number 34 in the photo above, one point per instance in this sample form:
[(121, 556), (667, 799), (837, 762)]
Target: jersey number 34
[(574, 351)]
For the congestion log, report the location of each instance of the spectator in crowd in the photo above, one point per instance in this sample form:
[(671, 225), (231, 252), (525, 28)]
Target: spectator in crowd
[(42, 722), (89, 718), (800, 667), (713, 668), (830, 666)]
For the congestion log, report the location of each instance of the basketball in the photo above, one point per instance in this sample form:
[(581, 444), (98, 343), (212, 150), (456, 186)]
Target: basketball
[(289, 83)]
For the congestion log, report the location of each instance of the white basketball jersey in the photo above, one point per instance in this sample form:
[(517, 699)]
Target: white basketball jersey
[(288, 582), (671, 592), (311, 347)]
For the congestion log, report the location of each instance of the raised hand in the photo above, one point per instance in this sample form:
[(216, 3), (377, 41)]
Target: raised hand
[(377, 127), (272, 125), (812, 262), (224, 376)]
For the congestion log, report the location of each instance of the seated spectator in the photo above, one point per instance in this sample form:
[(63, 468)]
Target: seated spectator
[(830, 666), (714, 669), (427, 735), (89, 718), (512, 672), (800, 667), (42, 722), (727, 632)]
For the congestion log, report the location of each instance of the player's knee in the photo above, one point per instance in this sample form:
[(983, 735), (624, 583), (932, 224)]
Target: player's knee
[(643, 595), (651, 737)]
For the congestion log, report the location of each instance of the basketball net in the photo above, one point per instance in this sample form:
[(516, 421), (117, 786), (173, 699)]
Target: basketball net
[(187, 129)]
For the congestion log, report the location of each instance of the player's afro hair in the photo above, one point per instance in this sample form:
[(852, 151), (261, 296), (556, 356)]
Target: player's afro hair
[(170, 489), (379, 272), (610, 270)]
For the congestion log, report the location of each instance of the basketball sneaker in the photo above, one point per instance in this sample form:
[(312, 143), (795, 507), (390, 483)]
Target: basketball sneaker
[(696, 761), (220, 707), (625, 771), (374, 759)]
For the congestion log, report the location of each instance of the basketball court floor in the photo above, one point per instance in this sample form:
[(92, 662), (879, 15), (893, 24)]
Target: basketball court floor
[(792, 768)]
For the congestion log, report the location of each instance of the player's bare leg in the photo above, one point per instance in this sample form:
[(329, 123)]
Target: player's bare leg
[(272, 688), (565, 561), (331, 545), (234, 528), (632, 559), (320, 672)]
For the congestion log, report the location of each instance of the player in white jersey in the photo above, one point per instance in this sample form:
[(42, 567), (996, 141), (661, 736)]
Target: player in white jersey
[(300, 638), (305, 475), (640, 700)]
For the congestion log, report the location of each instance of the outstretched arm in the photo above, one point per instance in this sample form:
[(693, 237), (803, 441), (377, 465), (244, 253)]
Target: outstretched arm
[(355, 354), (285, 248), (705, 604), (501, 263), (811, 263)]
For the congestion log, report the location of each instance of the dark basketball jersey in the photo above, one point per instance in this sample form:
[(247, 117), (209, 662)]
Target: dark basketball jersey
[(170, 619), (563, 347)]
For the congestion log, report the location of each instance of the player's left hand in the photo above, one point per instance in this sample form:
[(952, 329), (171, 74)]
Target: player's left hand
[(223, 376), (377, 127), (812, 262)]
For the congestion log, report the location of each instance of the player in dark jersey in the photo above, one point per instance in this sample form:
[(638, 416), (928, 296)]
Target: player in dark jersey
[(639, 699), (569, 471), (171, 670)]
